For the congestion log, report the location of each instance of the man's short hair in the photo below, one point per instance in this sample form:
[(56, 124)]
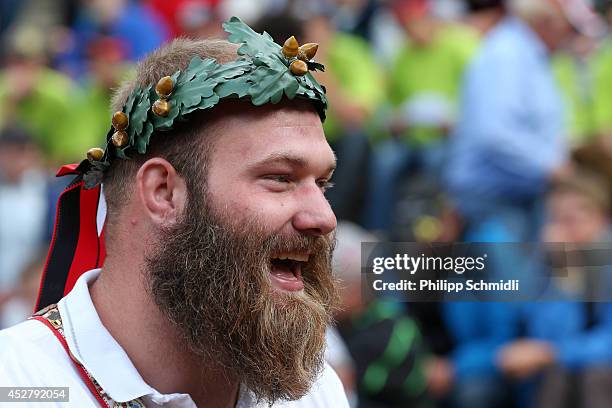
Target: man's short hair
[(184, 145)]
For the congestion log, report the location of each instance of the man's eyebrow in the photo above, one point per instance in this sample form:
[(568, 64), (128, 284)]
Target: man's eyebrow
[(290, 159)]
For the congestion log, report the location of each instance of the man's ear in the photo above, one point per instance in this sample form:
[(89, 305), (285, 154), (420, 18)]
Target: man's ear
[(162, 191)]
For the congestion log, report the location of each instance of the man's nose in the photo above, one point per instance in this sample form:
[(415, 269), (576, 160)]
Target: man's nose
[(315, 216)]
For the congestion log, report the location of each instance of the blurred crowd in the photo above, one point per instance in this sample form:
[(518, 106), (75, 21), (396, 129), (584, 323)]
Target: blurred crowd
[(452, 121)]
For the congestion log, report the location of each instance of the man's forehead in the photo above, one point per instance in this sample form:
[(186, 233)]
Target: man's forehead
[(269, 120), (285, 123), (285, 112), (272, 133)]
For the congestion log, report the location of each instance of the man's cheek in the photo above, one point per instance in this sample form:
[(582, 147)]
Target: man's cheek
[(273, 213)]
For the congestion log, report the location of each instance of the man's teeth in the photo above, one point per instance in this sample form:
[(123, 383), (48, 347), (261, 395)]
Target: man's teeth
[(293, 257)]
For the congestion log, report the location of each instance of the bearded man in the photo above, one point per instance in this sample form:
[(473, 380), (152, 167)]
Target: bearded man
[(216, 285)]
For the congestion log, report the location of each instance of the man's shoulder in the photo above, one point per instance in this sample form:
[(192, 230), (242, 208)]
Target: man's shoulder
[(22, 336), (327, 391), (31, 355)]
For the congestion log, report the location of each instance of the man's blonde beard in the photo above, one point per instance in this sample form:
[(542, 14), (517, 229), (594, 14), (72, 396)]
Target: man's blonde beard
[(211, 279)]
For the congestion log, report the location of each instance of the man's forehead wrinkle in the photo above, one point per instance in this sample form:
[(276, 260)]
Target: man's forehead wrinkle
[(290, 117), (269, 125), (286, 111), (291, 123)]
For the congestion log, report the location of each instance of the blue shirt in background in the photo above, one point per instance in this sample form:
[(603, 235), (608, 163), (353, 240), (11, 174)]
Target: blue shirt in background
[(510, 133)]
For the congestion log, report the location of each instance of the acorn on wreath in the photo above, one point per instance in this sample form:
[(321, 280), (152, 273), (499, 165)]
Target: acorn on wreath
[(120, 123), (307, 51), (291, 49), (164, 89), (95, 154)]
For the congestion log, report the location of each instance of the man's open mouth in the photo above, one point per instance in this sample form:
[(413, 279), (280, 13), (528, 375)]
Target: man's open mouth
[(286, 271)]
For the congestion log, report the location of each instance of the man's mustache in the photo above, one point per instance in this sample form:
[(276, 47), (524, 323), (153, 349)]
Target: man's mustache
[(312, 245)]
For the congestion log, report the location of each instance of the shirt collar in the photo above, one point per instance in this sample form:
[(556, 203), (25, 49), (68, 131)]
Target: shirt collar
[(95, 348)]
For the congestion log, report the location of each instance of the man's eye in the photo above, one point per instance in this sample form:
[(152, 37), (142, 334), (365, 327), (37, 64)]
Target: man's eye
[(281, 178), (325, 185)]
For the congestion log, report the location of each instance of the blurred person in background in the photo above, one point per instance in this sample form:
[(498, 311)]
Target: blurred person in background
[(355, 88), (424, 85), (200, 20), (139, 28), (23, 205), (567, 346), (50, 17), (34, 95), (8, 13), (107, 65), (483, 15), (190, 18), (391, 361), (603, 73), (575, 69), (17, 305), (581, 69), (509, 142), (424, 214), (585, 73), (462, 337), (354, 16)]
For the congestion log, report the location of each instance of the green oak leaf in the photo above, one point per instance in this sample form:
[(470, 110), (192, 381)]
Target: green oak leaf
[(191, 95), (292, 88), (238, 87), (264, 60), (231, 70), (142, 140), (197, 67), (205, 76), (252, 42), (269, 85), (165, 122), (312, 82), (95, 175), (138, 116), (127, 108), (175, 79), (205, 103), (121, 152), (306, 89)]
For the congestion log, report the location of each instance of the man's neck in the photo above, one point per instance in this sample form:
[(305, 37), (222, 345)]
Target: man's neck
[(152, 343)]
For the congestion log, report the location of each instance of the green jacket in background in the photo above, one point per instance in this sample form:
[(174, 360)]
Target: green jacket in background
[(587, 91), (603, 88), (45, 112), (351, 62), (64, 118), (436, 69)]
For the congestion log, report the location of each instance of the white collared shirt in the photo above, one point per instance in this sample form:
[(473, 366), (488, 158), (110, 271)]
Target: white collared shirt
[(31, 356)]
